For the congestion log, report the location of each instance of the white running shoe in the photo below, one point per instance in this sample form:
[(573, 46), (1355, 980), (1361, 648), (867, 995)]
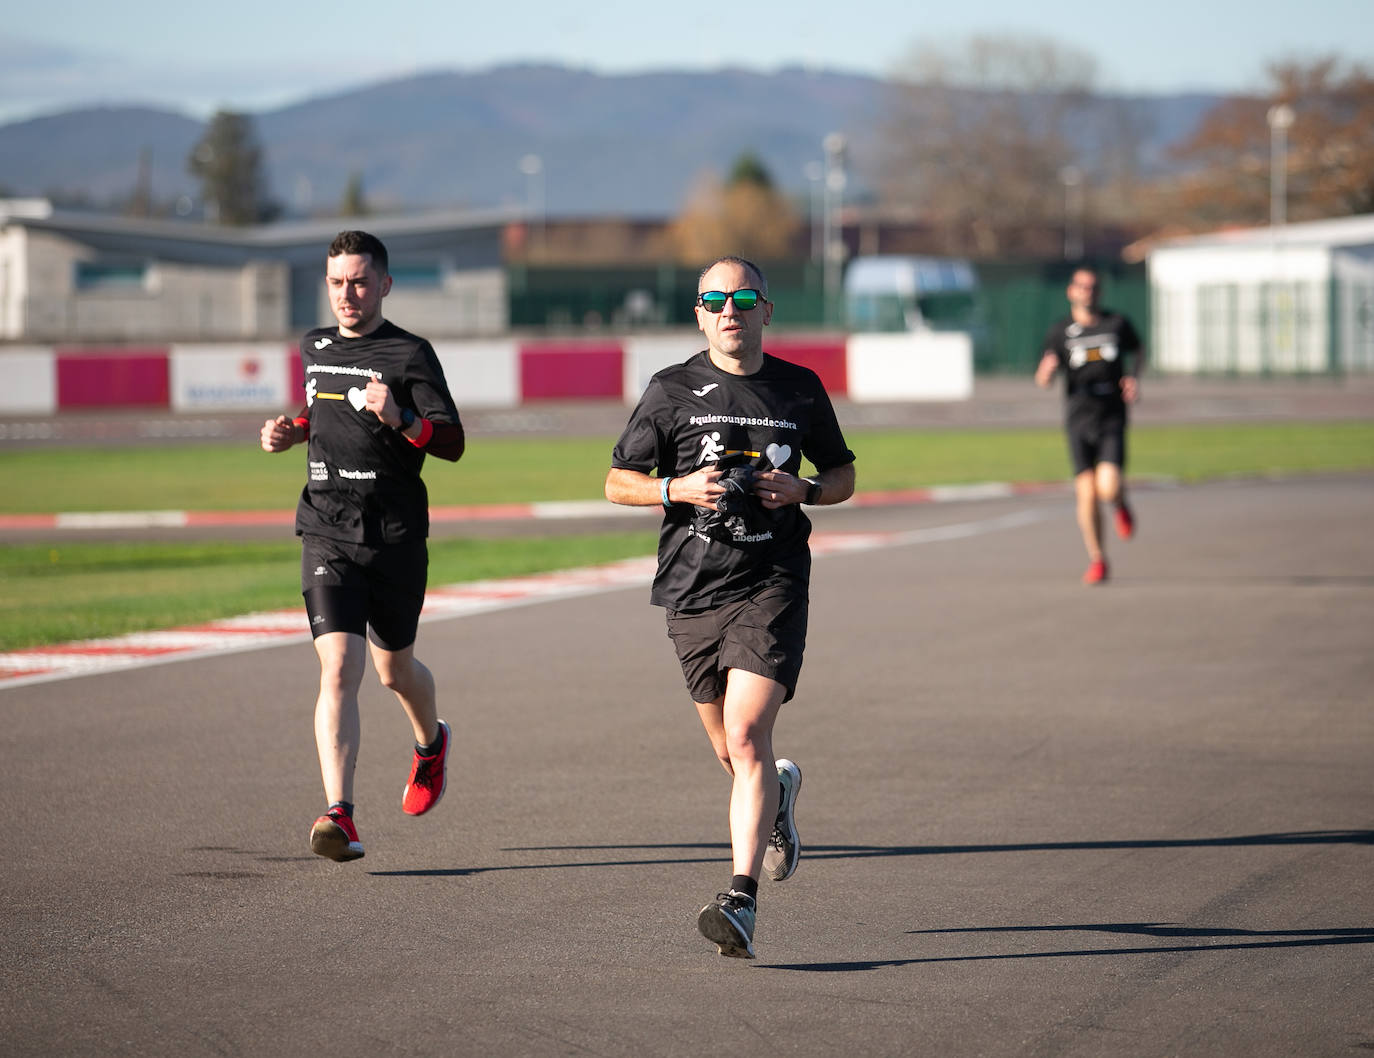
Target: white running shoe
[(784, 847)]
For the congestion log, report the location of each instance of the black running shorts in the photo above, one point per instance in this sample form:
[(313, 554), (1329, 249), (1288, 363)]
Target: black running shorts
[(348, 587), (1097, 439), (764, 634)]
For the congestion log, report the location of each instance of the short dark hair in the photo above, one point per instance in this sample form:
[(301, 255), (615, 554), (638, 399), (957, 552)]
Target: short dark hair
[(743, 263), (360, 242)]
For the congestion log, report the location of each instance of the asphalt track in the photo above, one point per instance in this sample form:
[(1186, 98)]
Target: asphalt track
[(1037, 818)]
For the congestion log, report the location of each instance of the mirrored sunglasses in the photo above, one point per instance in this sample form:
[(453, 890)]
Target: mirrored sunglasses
[(714, 300)]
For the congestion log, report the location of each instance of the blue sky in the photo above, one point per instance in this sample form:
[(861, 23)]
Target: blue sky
[(255, 54)]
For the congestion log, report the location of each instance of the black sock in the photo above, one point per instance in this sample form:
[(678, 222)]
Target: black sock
[(345, 806), (742, 883), (432, 750)]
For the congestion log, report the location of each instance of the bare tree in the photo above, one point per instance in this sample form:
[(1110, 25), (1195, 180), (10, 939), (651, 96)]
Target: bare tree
[(140, 202), (1329, 156), (979, 140)]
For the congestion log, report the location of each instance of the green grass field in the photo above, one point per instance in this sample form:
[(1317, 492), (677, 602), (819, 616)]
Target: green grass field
[(74, 590)]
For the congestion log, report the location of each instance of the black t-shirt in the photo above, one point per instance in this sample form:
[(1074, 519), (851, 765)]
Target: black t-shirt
[(1094, 359), (364, 480), (693, 415)]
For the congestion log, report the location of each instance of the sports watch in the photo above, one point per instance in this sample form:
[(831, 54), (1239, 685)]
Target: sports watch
[(813, 492), (407, 417)]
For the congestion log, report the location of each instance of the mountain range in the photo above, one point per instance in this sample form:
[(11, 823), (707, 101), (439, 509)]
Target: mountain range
[(607, 144)]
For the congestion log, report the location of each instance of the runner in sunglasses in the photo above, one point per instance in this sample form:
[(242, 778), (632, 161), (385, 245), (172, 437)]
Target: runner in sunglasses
[(725, 433)]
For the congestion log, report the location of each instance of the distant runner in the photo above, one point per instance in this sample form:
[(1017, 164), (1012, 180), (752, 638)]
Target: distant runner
[(1100, 354)]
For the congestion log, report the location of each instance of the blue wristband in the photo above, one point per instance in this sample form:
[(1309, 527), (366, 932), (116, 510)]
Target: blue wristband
[(663, 492)]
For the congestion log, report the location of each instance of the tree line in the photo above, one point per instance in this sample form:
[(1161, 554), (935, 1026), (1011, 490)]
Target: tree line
[(998, 147)]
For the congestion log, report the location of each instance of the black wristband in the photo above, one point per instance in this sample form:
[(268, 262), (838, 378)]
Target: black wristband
[(813, 493), (407, 419)]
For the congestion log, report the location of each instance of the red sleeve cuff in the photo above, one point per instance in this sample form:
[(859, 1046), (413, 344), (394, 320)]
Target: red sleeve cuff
[(426, 432)]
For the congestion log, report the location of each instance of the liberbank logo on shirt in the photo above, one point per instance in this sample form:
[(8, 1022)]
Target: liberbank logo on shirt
[(710, 528), (734, 531), (320, 472)]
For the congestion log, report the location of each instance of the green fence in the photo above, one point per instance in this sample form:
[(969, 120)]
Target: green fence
[(1020, 301), (649, 296), (1015, 305)]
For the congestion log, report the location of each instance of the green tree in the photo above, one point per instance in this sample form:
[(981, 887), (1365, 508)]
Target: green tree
[(354, 202), (746, 215), (228, 162), (749, 169)]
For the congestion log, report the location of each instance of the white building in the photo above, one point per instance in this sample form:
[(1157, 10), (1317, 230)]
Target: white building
[(1293, 299), (69, 276)]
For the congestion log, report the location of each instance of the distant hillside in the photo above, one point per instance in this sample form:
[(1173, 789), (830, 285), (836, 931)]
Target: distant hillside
[(95, 153), (608, 144)]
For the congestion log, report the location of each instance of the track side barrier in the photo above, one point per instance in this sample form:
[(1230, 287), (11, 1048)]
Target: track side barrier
[(497, 373)]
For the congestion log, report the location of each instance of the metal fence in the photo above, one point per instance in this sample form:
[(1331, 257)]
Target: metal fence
[(1266, 327)]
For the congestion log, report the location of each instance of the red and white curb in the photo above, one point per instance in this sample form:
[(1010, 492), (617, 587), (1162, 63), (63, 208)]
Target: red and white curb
[(551, 511), (255, 631)]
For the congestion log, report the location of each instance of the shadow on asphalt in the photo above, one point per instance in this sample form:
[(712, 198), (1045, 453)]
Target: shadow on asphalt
[(715, 848), (860, 852), (1268, 938)]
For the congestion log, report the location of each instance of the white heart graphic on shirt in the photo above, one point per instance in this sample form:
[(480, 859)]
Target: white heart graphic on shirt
[(357, 397), (778, 454)]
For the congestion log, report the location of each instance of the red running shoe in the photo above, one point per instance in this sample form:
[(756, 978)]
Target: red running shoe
[(1097, 572), (335, 837), (428, 778), (1125, 522)]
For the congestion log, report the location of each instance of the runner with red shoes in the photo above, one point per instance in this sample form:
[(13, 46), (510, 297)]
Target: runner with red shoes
[(376, 404), (334, 835), (1101, 356)]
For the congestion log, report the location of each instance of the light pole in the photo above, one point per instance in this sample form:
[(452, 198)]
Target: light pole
[(1280, 118), (833, 260), (1072, 178), (205, 155), (533, 167), (1282, 340), (815, 172)]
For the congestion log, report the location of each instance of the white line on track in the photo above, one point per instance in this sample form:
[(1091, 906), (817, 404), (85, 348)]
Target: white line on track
[(253, 631)]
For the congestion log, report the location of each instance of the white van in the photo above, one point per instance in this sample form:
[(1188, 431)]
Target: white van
[(891, 292)]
